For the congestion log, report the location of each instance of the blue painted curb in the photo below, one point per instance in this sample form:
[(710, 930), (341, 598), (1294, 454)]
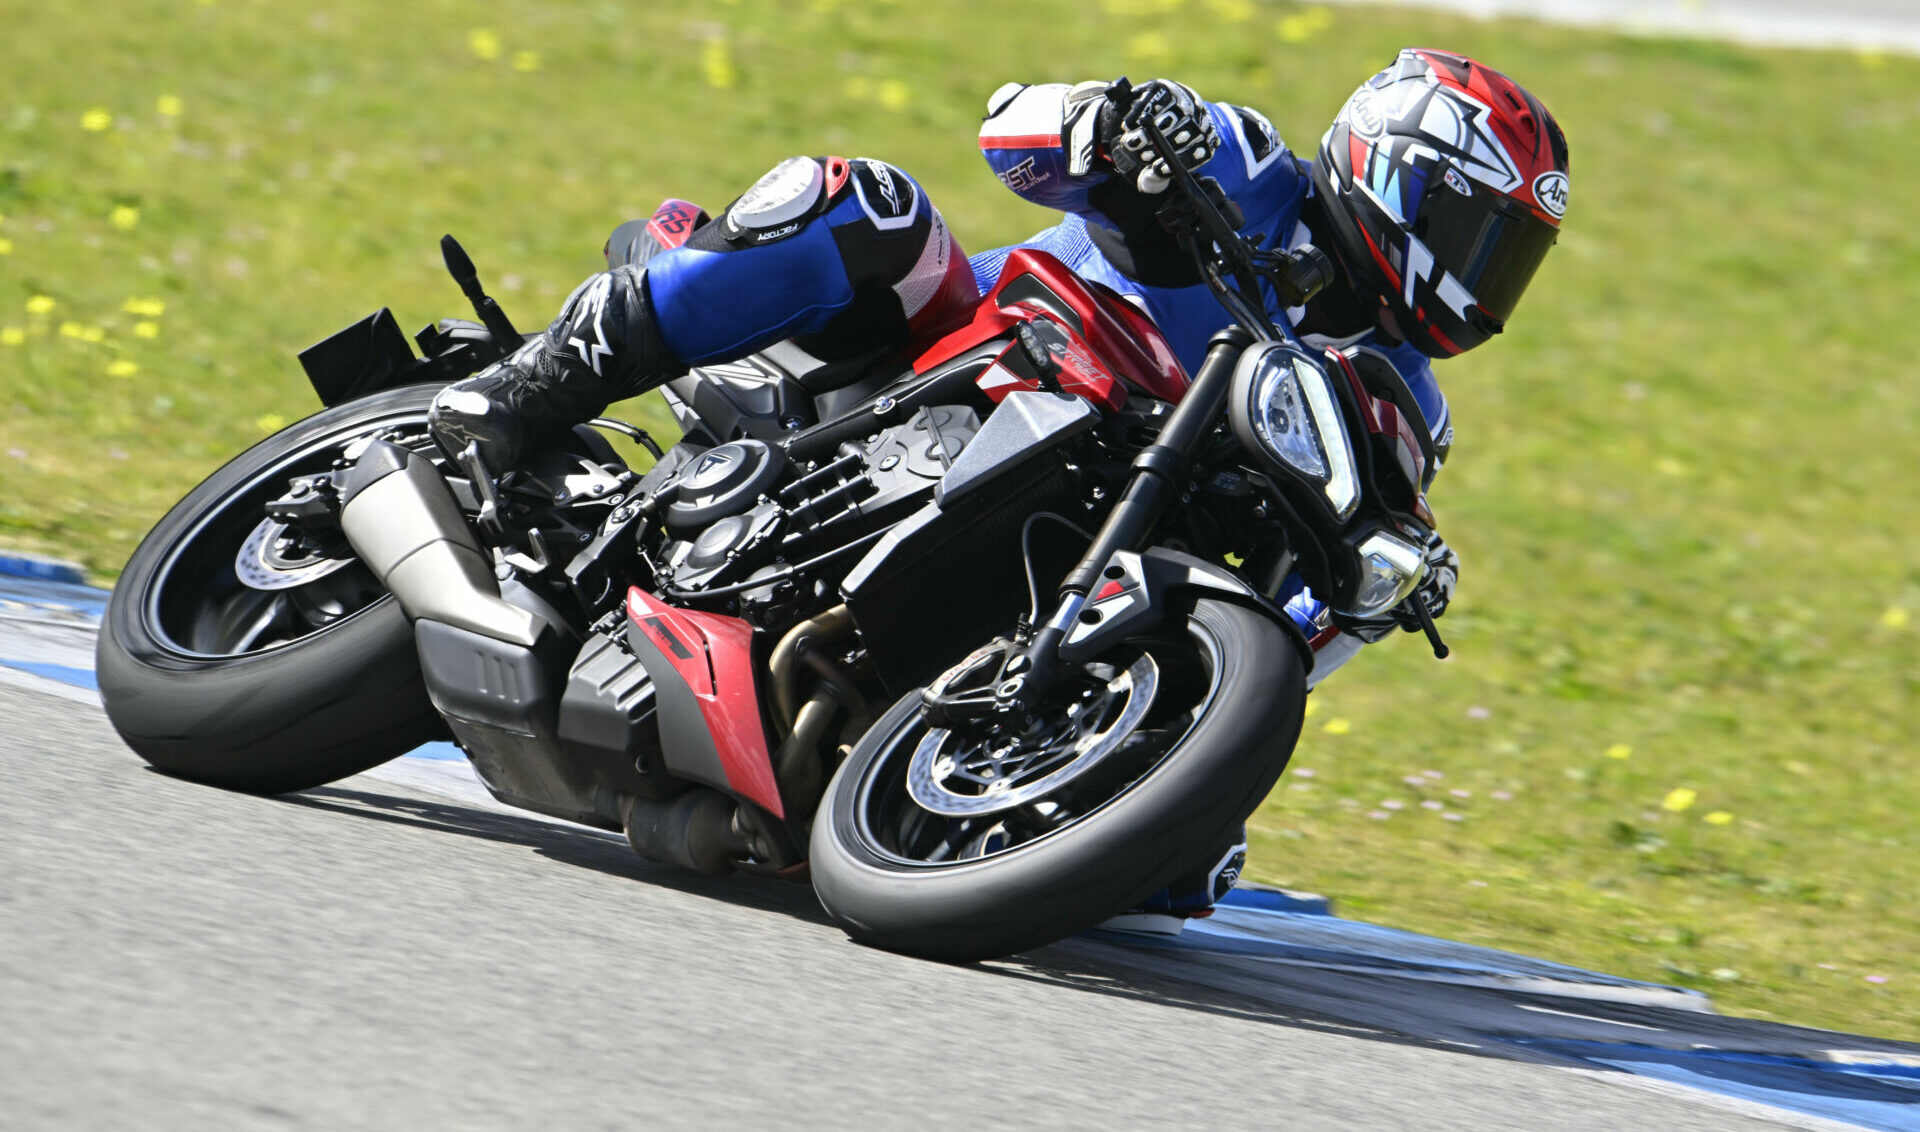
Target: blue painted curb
[(19, 564), (1269, 899)]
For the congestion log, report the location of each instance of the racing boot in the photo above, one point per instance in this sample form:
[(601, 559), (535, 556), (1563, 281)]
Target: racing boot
[(604, 347), (1189, 897)]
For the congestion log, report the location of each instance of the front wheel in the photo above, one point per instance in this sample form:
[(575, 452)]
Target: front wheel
[(1000, 836)]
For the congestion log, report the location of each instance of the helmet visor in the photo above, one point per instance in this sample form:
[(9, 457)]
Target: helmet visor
[(1491, 244)]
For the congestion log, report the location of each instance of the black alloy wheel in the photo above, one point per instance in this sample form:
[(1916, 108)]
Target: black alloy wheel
[(995, 836)]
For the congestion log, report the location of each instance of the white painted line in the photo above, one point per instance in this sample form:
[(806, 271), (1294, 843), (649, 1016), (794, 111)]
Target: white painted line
[(1588, 1018), (1862, 25), (27, 681)]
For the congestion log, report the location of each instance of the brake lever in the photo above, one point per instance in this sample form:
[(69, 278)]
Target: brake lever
[(1419, 603)]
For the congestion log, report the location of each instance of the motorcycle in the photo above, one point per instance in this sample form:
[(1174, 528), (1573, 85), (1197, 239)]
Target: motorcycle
[(988, 645)]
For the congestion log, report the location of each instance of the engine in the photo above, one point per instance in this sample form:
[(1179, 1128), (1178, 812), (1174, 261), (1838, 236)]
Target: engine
[(743, 509)]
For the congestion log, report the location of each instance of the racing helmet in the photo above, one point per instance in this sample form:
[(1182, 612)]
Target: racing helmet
[(1444, 182)]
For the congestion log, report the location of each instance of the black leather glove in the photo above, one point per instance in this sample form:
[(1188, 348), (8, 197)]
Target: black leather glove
[(1435, 589), (1099, 131)]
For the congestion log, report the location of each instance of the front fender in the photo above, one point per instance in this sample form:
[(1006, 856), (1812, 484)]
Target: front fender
[(1138, 590)]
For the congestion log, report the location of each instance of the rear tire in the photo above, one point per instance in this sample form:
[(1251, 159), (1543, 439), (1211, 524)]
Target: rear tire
[(312, 704), (1151, 830)]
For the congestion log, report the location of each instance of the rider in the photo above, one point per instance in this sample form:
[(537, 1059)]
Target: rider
[(1437, 190)]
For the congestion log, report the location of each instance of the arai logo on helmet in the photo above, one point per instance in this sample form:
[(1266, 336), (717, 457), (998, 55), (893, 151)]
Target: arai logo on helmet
[(1550, 189), (1366, 118)]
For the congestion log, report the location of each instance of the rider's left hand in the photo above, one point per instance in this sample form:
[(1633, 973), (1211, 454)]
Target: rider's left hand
[(1443, 572)]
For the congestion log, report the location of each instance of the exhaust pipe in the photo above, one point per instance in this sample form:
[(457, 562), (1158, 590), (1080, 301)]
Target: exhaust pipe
[(402, 521), (694, 830)]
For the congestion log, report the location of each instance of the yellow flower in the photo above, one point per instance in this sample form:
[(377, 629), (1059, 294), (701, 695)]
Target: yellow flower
[(146, 330), (145, 308), (1619, 751), (73, 330), (893, 94), (526, 62), (122, 368), (485, 43), (1312, 706), (1895, 617), (12, 336), (168, 105), (270, 422), (6, 246), (1337, 726), (1233, 11), (1679, 799), (125, 217), (41, 304), (1718, 817), (1302, 26), (716, 63), (1149, 49), (96, 119)]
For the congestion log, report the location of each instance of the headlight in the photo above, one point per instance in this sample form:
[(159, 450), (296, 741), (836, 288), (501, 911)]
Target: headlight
[(1390, 567), (1284, 407)]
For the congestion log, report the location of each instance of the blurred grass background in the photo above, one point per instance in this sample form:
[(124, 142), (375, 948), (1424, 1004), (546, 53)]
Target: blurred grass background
[(1678, 737)]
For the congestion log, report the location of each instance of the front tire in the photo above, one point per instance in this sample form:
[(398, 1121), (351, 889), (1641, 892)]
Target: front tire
[(215, 668), (883, 867)]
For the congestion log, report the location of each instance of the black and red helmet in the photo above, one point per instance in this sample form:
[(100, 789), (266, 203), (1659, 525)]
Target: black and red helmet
[(1444, 182)]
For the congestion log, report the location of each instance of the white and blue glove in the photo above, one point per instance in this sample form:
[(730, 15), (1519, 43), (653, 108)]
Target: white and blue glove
[(1102, 134)]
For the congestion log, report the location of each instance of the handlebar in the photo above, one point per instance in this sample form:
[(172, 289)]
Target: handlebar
[(1232, 265)]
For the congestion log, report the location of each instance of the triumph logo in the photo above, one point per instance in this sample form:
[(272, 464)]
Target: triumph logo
[(1550, 189)]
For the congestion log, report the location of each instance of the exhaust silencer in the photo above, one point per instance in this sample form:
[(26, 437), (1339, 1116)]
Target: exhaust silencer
[(402, 521)]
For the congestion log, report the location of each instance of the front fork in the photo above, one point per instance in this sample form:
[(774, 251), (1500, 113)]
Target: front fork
[(1159, 478)]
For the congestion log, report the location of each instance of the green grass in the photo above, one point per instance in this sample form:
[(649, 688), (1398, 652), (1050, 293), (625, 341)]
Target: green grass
[(1684, 485)]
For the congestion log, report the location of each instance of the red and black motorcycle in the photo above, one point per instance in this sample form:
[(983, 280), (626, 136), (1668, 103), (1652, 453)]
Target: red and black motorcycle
[(986, 643)]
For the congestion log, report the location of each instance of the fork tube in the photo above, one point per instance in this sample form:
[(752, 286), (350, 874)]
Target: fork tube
[(1160, 471), (1159, 477)]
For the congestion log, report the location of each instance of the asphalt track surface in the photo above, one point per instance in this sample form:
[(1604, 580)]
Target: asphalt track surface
[(366, 955)]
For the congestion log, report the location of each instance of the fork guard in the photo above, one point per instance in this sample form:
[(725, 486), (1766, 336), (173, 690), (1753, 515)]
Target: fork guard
[(1137, 591)]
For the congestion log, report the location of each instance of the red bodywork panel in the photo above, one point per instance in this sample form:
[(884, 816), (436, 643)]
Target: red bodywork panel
[(714, 655), (1384, 418), (1107, 341)]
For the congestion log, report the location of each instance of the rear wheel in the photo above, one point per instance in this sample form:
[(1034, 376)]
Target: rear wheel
[(992, 838), (236, 652)]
